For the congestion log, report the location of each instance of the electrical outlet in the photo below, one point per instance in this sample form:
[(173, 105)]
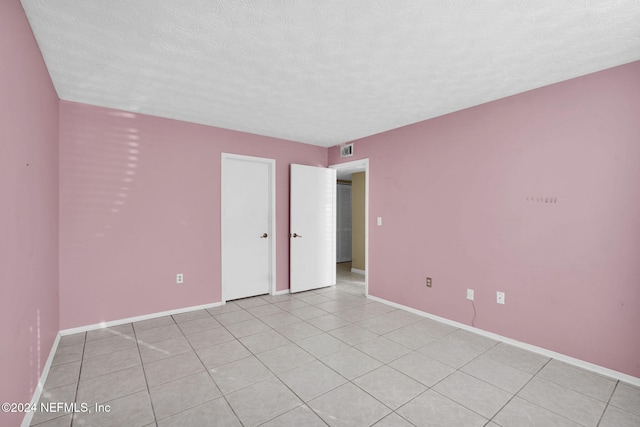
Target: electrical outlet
[(470, 294), (179, 278), (500, 297), (428, 282)]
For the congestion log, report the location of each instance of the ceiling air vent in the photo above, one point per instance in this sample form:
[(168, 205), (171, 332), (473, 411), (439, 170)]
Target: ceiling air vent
[(346, 150)]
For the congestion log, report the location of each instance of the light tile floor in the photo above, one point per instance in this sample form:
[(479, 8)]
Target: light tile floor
[(323, 357)]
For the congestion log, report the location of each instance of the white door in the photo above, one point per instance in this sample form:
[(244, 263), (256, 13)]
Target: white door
[(312, 228), (248, 227)]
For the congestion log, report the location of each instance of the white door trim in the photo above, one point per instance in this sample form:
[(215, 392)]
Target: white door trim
[(271, 163), (359, 164)]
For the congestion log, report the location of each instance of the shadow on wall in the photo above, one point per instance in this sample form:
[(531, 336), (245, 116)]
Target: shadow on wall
[(103, 175)]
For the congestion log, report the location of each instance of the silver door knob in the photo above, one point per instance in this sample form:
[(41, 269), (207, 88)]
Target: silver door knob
[(264, 236)]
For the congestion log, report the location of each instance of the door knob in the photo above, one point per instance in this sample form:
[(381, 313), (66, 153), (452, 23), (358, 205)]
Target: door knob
[(264, 236), (296, 235)]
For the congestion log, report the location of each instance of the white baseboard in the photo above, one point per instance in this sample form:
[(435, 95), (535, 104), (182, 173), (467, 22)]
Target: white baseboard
[(535, 349), (28, 416), (137, 318), (282, 292), (357, 271)]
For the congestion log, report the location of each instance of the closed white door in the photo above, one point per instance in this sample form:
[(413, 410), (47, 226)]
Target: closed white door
[(248, 227), (312, 228)]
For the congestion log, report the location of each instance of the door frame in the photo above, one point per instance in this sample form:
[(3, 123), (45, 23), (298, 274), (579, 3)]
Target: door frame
[(357, 166), (271, 163)]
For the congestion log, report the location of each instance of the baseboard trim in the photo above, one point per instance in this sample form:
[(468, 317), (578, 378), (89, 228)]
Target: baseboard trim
[(357, 271), (282, 292), (110, 323), (535, 349), (28, 416)]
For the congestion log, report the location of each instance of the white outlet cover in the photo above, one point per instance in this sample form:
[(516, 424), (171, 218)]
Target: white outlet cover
[(179, 278), (470, 294), (500, 297)]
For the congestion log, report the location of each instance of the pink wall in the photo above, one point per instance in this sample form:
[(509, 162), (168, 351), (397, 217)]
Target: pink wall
[(29, 211), (453, 194), (140, 202)]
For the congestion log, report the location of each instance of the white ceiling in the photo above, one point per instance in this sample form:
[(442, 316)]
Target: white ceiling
[(322, 72)]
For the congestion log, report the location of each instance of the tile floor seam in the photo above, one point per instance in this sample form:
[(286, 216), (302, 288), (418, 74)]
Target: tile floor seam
[(75, 396), (615, 387), (146, 382)]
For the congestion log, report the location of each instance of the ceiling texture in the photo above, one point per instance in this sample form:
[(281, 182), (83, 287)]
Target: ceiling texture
[(322, 72)]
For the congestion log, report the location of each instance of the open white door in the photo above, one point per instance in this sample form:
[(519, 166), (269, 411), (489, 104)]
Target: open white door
[(312, 228)]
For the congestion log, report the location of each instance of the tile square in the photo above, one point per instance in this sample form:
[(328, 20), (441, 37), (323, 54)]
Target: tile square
[(517, 358), (133, 410), (422, 368), (233, 317), (163, 349), (291, 304), (161, 333), (472, 393), (328, 322), (72, 339), (223, 353), (111, 386), (262, 401), (199, 325), (308, 312), (188, 316), (285, 358), (69, 353), (497, 374), (202, 415), (393, 420), (59, 375), (208, 338), (172, 368), (434, 410), (239, 374), (108, 345), (570, 404), (626, 397), (110, 362), (224, 308), (250, 302), (184, 393), (63, 421), (64, 394), (98, 334), (348, 405), (322, 345), (313, 298), (578, 379), (410, 337), (615, 417), (312, 380), (280, 319), (353, 314), (353, 334), (390, 387), (298, 331), (383, 349), (153, 323), (332, 306), (377, 308), (263, 341), (458, 348), (298, 417), (351, 363), (518, 412), (264, 310), (247, 327)]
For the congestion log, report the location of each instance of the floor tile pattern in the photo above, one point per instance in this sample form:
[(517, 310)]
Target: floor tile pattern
[(325, 357)]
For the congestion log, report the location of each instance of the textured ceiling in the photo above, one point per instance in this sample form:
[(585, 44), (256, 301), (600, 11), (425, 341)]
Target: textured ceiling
[(322, 72)]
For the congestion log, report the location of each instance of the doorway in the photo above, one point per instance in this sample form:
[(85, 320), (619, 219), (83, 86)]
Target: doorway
[(352, 273), (247, 226)]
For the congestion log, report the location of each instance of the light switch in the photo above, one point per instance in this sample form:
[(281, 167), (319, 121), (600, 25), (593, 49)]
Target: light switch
[(379, 220)]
